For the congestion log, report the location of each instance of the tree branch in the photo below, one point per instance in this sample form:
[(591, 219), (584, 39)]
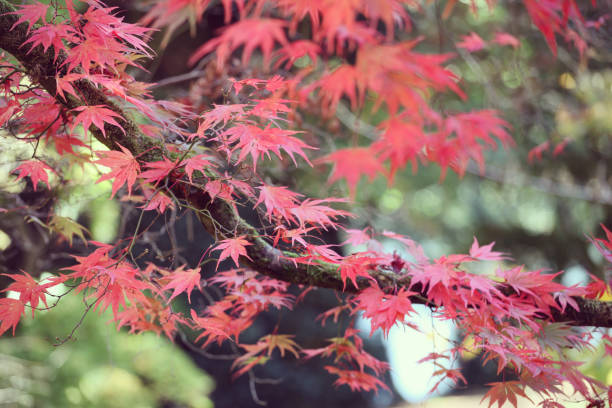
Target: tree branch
[(42, 68)]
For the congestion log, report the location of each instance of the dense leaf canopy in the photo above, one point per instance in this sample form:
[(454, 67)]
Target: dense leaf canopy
[(285, 67)]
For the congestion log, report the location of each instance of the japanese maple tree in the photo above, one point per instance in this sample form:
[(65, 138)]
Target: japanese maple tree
[(68, 86)]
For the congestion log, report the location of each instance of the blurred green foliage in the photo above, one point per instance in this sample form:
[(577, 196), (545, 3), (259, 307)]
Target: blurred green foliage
[(100, 368)]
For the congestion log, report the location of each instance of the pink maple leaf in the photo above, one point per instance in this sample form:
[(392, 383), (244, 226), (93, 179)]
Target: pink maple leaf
[(506, 39), (51, 35), (124, 168), (485, 253), (160, 202), (29, 290), (252, 33), (36, 170), (30, 13), (472, 43), (352, 163), (97, 115), (182, 280), (158, 170), (234, 248), (278, 200), (10, 313), (199, 162)]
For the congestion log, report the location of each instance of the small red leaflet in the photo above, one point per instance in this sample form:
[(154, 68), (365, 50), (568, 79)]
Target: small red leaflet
[(232, 247), (352, 163), (252, 33), (124, 168), (356, 380), (278, 200), (97, 115), (51, 35), (485, 253), (501, 392), (199, 162), (158, 170), (472, 43), (182, 280), (506, 39), (36, 170), (159, 202), (29, 290), (10, 313), (30, 13)]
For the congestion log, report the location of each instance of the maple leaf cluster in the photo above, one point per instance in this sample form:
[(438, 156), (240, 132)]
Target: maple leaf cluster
[(212, 164)]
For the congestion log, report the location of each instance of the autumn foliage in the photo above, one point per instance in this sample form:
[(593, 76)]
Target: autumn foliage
[(67, 84)]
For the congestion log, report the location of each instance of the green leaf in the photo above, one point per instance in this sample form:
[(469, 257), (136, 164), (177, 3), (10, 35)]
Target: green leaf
[(67, 228)]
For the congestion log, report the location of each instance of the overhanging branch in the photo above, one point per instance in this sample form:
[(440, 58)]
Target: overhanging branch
[(42, 68)]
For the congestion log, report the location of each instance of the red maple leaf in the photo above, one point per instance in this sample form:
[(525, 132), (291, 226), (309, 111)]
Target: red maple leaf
[(344, 80), (219, 325), (551, 17), (232, 247), (597, 288), (105, 41), (313, 212), (608, 241), (252, 33), (51, 35), (63, 84), (472, 131), (433, 356), (445, 373), (536, 153), (560, 147), (158, 170), (472, 43), (29, 290), (278, 200), (10, 313), (260, 352), (182, 280), (400, 143), (356, 380), (356, 237), (384, 310), (64, 143), (256, 142), (352, 163), (217, 188), (36, 170), (97, 115), (356, 265), (534, 283), (485, 253), (124, 168), (221, 113), (160, 201), (108, 25), (501, 392), (199, 162), (399, 76), (506, 39), (30, 13), (296, 50)]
